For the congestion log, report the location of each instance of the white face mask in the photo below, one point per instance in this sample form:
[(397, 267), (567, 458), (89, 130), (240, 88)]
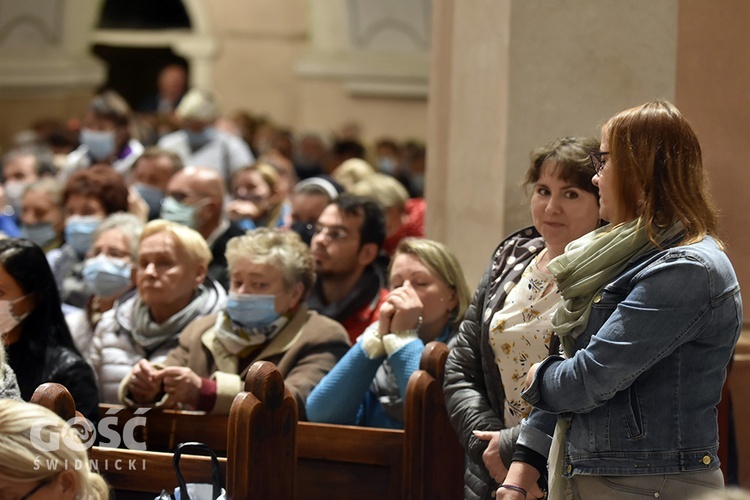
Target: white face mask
[(8, 318)]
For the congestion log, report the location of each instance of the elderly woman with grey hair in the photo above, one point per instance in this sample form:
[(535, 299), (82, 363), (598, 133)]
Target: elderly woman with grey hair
[(8, 383), (265, 319)]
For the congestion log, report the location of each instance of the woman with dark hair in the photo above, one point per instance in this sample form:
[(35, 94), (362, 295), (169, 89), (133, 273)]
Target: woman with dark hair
[(89, 196), (507, 326), (40, 348)]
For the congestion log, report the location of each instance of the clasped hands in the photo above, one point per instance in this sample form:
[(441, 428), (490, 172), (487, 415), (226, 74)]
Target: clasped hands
[(179, 383), (398, 324)]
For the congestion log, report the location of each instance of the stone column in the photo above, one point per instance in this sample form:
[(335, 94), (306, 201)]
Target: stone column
[(508, 76)]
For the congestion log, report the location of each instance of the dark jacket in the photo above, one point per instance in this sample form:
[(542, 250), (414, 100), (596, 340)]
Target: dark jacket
[(217, 269), (474, 394), (62, 365)]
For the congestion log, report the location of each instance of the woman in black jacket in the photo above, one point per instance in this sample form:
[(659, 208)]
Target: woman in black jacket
[(507, 326), (39, 346)]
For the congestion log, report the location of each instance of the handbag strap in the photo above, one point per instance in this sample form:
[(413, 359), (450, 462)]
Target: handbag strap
[(216, 479)]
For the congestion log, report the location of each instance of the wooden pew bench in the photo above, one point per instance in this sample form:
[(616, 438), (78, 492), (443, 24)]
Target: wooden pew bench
[(143, 474), (425, 460)]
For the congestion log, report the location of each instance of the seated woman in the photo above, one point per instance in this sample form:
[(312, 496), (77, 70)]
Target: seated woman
[(88, 197), (42, 218), (40, 348), (107, 273), (28, 470), (257, 198), (507, 325), (265, 319), (427, 302), (171, 291)]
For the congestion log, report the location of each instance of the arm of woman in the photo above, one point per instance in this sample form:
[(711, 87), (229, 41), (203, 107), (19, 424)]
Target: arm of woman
[(665, 309), (338, 397)]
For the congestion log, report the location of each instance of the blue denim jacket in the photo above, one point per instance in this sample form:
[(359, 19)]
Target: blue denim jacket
[(641, 391)]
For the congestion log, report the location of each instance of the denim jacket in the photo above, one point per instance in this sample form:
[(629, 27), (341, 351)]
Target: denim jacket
[(641, 392)]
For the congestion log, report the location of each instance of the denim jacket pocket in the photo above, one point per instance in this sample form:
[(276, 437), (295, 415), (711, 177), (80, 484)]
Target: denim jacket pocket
[(633, 417)]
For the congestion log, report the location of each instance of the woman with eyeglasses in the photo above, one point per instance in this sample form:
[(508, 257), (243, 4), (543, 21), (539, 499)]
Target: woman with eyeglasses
[(507, 326), (427, 301), (42, 457), (650, 316)]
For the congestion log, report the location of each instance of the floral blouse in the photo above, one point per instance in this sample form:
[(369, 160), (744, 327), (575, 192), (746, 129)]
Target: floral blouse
[(520, 334)]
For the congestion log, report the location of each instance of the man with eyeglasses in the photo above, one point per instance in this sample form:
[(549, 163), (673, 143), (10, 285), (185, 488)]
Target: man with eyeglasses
[(346, 242), (194, 197)]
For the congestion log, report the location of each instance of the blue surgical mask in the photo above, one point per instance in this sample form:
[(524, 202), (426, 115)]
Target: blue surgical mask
[(101, 144), (79, 231), (153, 197), (180, 213), (252, 311), (42, 234), (387, 165), (197, 140), (106, 277)]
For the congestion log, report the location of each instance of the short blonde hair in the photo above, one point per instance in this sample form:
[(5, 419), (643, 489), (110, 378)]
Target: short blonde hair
[(352, 171), (444, 264), (22, 460), (284, 249), (384, 189), (190, 239), (49, 185)]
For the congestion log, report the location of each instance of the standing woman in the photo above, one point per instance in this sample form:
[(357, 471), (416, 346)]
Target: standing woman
[(650, 317), (40, 348), (507, 326)]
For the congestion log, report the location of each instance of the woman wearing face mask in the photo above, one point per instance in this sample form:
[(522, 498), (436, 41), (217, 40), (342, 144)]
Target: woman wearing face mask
[(39, 346), (107, 273), (265, 319), (88, 197), (105, 136), (427, 302), (172, 290), (42, 218), (257, 199)]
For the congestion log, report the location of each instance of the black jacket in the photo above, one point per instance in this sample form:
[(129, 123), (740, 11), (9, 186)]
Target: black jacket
[(474, 394)]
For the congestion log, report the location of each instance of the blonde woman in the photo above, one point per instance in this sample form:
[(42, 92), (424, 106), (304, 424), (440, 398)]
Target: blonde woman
[(427, 302), (29, 470), (172, 290)]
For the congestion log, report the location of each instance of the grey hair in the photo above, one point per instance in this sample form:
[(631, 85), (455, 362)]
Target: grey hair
[(128, 224)]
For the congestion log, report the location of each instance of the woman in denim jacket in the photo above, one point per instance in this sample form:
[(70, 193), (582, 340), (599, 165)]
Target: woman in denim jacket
[(650, 315)]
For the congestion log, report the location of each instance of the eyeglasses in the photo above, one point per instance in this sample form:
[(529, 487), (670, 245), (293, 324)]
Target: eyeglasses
[(597, 161), (331, 233)]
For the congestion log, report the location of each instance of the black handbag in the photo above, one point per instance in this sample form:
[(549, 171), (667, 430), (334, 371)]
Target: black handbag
[(196, 491)]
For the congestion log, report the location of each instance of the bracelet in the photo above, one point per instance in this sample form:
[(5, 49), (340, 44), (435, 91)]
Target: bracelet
[(515, 488)]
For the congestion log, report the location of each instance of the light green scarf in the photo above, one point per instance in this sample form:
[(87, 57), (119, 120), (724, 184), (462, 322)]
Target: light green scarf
[(588, 264)]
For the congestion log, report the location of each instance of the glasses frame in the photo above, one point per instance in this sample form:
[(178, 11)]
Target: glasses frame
[(331, 233), (596, 161)]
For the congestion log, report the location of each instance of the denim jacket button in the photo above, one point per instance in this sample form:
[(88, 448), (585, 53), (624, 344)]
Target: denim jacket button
[(706, 460), (597, 299), (570, 469)]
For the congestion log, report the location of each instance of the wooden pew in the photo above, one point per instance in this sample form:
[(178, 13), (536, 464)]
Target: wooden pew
[(142, 474), (425, 460)]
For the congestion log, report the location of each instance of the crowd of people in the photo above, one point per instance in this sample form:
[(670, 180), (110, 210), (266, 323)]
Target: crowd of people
[(150, 261)]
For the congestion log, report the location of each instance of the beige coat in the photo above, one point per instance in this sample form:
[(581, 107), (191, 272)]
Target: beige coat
[(303, 351)]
